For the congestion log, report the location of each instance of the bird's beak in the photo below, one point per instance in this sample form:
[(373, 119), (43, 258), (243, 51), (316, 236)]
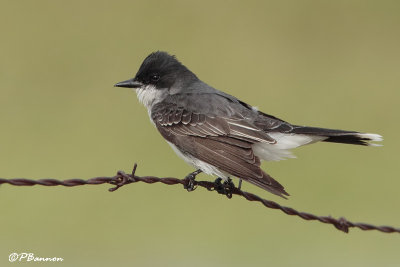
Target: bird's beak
[(129, 84)]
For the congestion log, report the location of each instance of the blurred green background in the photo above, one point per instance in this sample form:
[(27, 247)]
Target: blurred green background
[(322, 63)]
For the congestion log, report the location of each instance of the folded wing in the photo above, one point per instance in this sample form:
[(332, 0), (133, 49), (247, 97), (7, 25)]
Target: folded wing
[(224, 142)]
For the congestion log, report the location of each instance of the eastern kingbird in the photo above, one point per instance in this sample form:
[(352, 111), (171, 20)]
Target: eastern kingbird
[(217, 133)]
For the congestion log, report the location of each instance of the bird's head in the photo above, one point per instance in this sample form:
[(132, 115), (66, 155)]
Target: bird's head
[(159, 71)]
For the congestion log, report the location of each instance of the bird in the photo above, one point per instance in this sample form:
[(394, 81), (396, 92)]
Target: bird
[(216, 132)]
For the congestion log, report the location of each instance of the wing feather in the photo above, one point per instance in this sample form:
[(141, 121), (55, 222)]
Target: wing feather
[(222, 142)]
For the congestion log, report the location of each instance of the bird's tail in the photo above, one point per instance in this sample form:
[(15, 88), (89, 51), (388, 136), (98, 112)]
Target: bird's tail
[(339, 136)]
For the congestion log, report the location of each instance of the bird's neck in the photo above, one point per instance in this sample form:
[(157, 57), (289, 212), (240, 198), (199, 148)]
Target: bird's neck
[(149, 96)]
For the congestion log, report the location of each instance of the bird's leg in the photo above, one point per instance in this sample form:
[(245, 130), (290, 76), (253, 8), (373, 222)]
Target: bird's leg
[(240, 184), (225, 188), (191, 177)]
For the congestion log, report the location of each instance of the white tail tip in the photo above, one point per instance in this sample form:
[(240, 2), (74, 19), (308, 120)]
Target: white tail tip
[(371, 137)]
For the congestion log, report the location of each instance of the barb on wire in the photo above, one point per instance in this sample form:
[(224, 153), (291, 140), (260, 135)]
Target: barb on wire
[(122, 179)]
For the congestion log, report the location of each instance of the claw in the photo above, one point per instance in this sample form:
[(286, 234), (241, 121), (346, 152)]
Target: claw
[(191, 183), (225, 188)]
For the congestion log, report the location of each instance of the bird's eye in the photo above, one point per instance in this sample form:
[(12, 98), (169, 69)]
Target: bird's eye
[(155, 77)]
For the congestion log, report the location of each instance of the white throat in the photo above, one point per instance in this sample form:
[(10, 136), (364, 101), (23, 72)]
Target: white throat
[(149, 95)]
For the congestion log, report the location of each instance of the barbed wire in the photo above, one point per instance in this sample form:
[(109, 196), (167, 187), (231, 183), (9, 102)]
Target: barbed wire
[(121, 179)]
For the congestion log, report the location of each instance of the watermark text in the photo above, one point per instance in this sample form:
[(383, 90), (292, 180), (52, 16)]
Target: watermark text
[(30, 257)]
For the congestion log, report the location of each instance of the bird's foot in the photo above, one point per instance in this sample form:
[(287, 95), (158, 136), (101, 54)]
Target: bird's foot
[(225, 188), (190, 178)]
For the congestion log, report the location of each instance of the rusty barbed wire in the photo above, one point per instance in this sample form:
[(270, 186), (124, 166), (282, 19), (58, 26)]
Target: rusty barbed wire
[(122, 179)]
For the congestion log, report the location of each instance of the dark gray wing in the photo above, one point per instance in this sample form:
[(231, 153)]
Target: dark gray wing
[(219, 103), (224, 142)]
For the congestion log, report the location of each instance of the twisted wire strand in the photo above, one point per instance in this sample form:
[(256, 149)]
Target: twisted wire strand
[(122, 179)]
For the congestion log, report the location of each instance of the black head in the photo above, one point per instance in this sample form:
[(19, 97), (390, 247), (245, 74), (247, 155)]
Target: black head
[(160, 70)]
